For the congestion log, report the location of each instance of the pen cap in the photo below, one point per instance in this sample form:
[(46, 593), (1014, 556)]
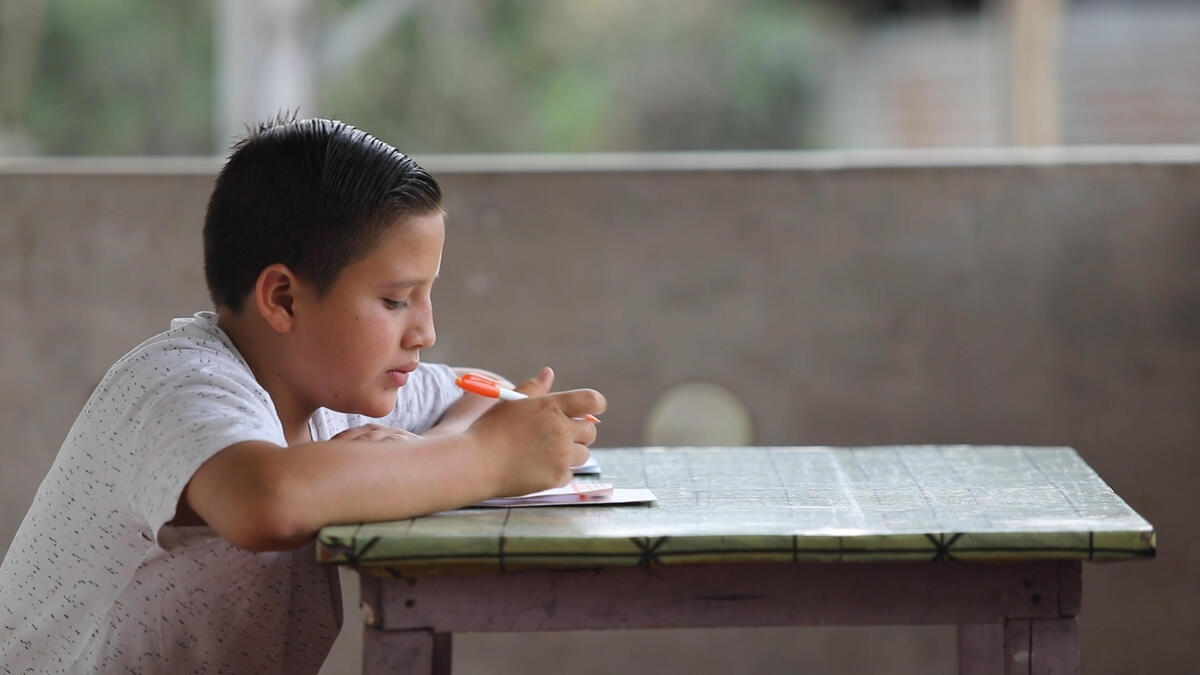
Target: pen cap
[(486, 386), (478, 384)]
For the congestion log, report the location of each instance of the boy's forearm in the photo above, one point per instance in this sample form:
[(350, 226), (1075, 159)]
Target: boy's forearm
[(263, 497), (349, 481), (459, 417)]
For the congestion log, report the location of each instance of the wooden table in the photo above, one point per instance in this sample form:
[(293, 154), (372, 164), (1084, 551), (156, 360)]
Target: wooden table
[(990, 539)]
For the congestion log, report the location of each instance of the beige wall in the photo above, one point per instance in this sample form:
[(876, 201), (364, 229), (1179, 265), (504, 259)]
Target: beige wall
[(921, 298)]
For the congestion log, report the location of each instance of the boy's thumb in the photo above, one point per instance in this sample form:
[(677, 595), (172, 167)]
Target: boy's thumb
[(538, 384)]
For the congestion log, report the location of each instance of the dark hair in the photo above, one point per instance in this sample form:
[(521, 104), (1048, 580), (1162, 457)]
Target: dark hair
[(312, 194)]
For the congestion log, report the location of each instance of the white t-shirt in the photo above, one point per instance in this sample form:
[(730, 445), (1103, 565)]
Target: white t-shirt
[(96, 582)]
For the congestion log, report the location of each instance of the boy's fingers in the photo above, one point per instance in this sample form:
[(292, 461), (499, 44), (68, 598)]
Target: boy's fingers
[(580, 453), (581, 402), (352, 433), (538, 384), (586, 458), (585, 434), (375, 432)]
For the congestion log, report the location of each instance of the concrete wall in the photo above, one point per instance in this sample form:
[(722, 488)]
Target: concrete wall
[(1018, 297)]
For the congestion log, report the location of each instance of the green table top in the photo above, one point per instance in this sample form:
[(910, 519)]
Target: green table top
[(780, 504)]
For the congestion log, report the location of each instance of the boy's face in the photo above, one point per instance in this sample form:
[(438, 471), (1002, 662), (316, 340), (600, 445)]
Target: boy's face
[(356, 345)]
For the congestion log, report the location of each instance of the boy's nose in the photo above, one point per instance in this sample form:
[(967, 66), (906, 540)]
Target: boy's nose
[(421, 335)]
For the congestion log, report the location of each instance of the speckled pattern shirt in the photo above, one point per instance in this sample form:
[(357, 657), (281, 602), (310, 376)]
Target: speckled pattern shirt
[(96, 582)]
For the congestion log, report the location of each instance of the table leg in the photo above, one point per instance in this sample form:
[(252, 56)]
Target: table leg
[(1020, 647), (406, 651), (441, 653), (1055, 646), (981, 649)]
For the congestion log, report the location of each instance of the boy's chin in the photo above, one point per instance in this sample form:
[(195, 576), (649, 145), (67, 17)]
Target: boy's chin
[(378, 407)]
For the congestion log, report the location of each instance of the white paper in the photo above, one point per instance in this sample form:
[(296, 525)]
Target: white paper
[(567, 496)]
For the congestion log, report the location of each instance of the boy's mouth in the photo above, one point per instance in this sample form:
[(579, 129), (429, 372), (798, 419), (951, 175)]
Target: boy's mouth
[(400, 375)]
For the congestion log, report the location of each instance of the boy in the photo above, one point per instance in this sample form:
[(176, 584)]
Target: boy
[(173, 532)]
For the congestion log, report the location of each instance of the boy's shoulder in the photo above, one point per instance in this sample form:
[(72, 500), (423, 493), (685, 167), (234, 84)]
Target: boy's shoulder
[(186, 337), (181, 379), (188, 340), (192, 348)]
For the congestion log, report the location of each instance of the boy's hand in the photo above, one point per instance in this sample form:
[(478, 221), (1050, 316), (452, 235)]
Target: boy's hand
[(376, 432), (532, 444), (538, 384)]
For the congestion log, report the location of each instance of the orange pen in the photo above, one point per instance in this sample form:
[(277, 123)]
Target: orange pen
[(486, 386)]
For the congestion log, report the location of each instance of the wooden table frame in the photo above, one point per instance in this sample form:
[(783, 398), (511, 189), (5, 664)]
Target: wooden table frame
[(990, 539), (1017, 617)]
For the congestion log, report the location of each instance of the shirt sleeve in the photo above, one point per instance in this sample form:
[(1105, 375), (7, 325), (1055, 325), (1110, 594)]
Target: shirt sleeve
[(422, 401), (190, 417)]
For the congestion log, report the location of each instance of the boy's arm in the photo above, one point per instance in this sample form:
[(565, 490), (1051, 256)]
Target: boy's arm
[(262, 497)]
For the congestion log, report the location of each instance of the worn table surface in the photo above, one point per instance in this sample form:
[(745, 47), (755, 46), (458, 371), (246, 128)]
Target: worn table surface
[(780, 504)]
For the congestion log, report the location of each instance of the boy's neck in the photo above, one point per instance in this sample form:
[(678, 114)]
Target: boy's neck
[(254, 339)]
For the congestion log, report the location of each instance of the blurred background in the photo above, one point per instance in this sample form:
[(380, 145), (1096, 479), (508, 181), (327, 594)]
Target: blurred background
[(138, 77), (872, 221)]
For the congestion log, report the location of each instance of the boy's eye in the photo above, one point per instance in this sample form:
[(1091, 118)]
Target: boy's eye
[(394, 304)]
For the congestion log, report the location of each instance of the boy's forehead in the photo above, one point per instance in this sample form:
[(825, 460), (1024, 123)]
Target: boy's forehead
[(406, 255)]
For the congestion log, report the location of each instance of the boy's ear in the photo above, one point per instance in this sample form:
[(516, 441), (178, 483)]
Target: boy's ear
[(274, 296)]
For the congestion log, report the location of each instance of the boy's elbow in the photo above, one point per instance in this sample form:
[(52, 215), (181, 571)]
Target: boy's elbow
[(271, 519), (268, 534), (280, 524)]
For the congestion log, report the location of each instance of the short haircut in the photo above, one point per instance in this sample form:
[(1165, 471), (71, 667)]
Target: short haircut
[(312, 194)]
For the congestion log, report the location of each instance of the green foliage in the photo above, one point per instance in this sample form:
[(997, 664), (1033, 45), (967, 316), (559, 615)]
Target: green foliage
[(137, 76), (123, 77), (555, 76)]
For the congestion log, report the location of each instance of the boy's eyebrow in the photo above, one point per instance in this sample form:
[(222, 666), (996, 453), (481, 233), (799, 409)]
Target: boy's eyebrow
[(406, 283)]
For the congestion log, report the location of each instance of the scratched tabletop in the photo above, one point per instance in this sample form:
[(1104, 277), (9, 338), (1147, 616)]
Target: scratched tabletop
[(780, 504)]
